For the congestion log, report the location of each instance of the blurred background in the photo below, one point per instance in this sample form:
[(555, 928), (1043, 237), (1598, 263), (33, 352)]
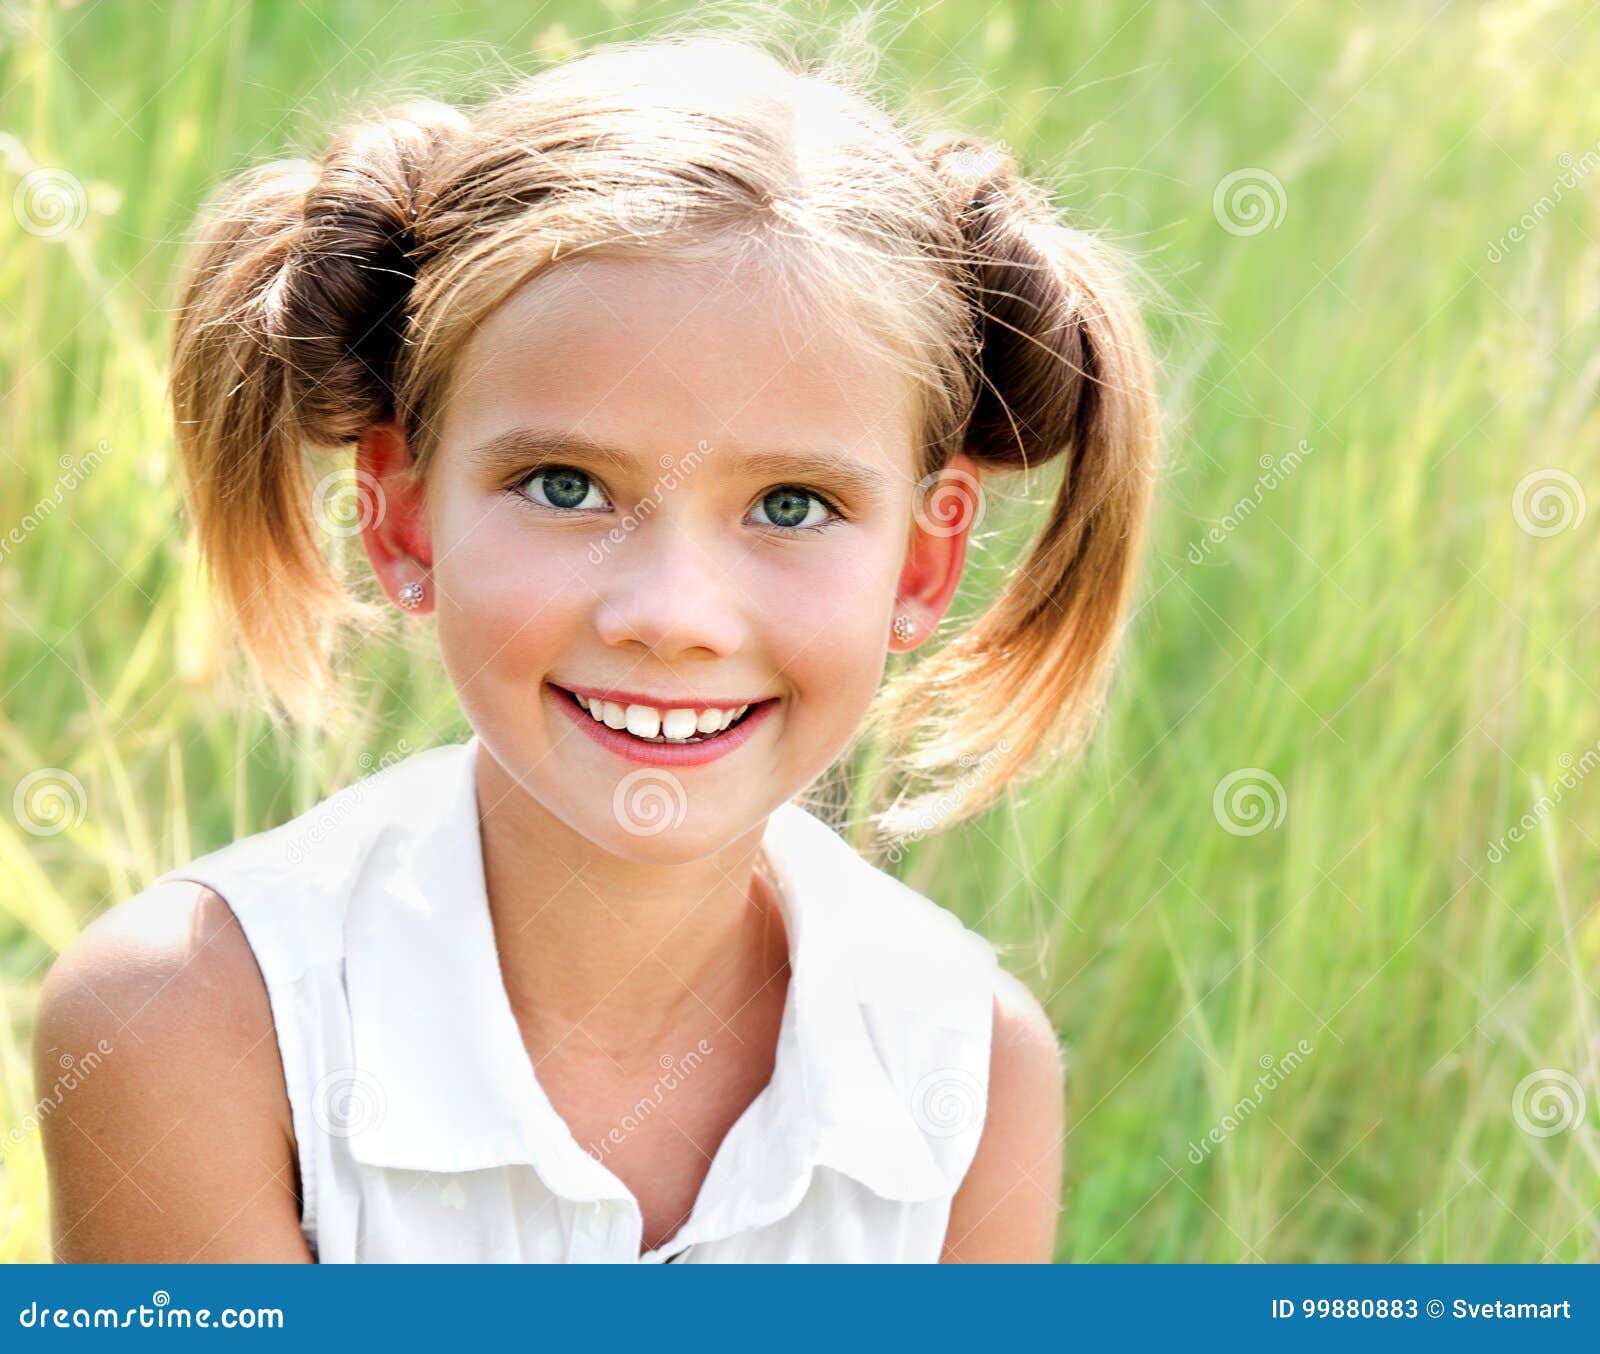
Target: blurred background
[(1316, 919)]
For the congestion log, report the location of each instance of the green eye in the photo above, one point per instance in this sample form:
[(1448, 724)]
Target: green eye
[(789, 506), (563, 487)]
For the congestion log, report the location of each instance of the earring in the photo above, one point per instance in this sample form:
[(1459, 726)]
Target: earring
[(904, 627), (410, 596)]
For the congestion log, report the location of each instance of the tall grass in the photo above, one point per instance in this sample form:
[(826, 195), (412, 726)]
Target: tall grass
[(1357, 620)]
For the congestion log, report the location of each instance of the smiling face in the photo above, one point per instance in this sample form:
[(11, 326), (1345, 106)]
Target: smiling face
[(653, 480)]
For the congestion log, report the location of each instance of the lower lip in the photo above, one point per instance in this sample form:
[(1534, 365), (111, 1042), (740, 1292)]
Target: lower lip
[(624, 744)]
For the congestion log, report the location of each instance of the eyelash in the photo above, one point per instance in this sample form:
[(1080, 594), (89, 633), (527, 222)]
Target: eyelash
[(515, 489)]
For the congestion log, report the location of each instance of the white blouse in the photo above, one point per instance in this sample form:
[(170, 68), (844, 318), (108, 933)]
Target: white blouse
[(423, 1133)]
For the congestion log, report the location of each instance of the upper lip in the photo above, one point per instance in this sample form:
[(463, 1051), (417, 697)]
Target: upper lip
[(625, 698)]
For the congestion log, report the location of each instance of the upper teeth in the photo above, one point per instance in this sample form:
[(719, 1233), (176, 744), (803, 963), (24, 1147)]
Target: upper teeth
[(648, 722)]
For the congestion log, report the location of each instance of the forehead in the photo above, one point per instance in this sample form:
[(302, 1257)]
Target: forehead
[(657, 355)]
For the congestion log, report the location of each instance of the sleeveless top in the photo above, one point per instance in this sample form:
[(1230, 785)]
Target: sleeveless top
[(421, 1128)]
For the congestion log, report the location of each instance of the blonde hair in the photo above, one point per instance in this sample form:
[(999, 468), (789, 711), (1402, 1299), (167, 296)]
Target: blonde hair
[(321, 298)]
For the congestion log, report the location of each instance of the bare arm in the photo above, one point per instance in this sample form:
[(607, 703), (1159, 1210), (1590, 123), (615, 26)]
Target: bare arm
[(1006, 1208), (173, 1139)]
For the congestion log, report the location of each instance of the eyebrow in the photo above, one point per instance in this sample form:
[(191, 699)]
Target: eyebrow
[(509, 451)]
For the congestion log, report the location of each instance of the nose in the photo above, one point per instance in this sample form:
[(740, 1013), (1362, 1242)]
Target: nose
[(664, 591)]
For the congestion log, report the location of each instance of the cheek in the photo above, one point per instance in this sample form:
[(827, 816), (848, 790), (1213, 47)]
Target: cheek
[(506, 598), (826, 620)]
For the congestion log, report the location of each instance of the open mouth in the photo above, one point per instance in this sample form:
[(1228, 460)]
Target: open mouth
[(614, 717)]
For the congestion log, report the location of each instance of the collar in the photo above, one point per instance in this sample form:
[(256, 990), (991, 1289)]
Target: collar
[(434, 1034)]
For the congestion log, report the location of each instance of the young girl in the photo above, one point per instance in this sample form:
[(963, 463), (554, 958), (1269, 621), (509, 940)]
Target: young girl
[(660, 370)]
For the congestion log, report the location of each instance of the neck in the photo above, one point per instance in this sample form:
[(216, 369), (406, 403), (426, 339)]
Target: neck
[(608, 958)]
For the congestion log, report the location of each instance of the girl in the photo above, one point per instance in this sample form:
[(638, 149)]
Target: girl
[(659, 371)]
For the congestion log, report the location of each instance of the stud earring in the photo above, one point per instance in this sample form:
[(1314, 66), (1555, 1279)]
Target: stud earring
[(410, 596), (904, 627)]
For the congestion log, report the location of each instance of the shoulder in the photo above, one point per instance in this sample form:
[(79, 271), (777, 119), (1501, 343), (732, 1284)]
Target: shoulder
[(171, 962), (159, 1078), (1027, 1073), (1025, 1056), (906, 951), (1009, 1201)]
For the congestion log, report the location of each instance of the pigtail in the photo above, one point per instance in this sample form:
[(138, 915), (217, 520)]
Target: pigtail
[(287, 333), (1062, 370)]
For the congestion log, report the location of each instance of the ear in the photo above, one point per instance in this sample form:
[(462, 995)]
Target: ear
[(946, 508), (395, 530)]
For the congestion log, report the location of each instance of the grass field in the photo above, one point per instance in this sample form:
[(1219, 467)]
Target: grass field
[(1323, 997)]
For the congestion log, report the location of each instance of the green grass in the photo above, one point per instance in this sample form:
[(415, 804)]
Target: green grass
[(1378, 633)]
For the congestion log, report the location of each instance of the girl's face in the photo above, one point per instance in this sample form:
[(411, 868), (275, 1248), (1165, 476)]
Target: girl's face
[(653, 480)]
